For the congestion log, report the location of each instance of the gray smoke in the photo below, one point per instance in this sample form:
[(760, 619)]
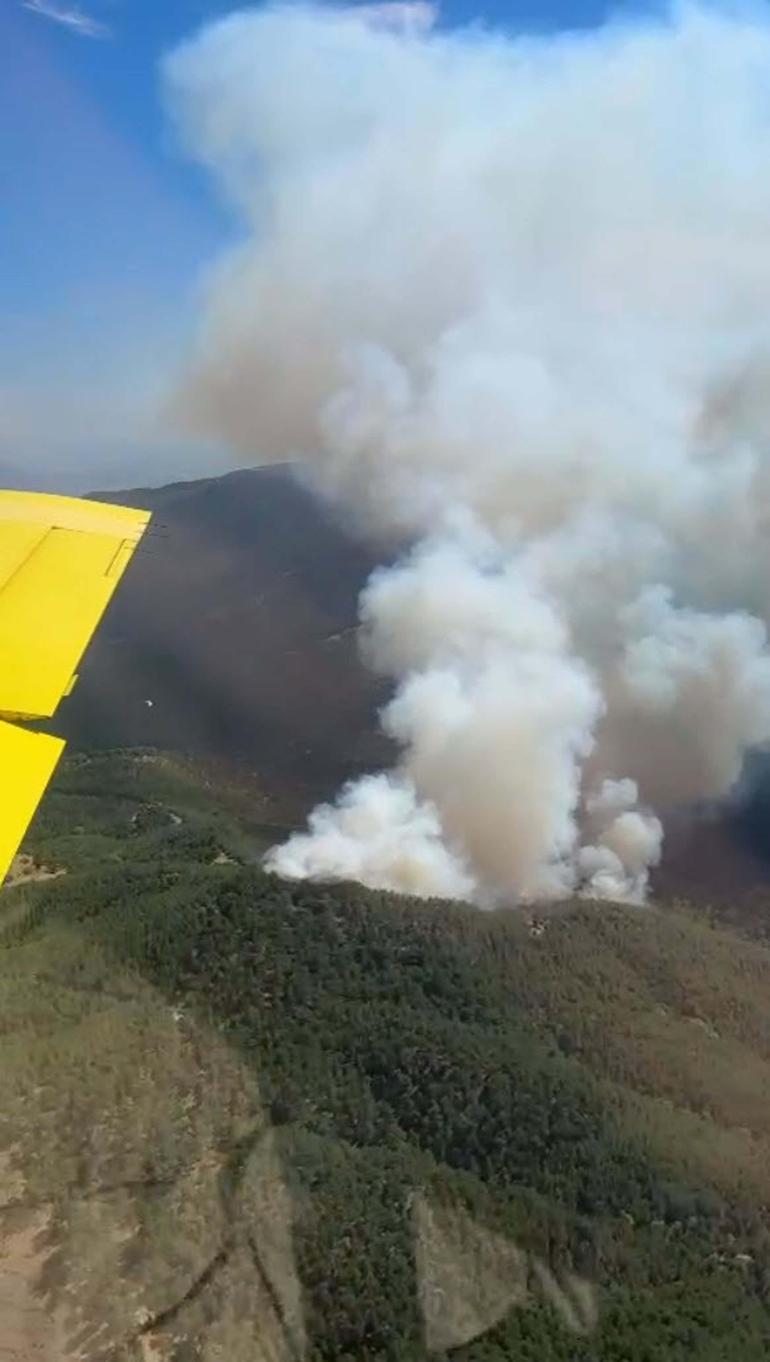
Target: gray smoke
[(510, 298)]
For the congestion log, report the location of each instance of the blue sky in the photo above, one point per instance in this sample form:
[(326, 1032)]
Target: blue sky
[(105, 229)]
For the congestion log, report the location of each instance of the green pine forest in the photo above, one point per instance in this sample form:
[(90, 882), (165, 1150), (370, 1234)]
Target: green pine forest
[(242, 1119)]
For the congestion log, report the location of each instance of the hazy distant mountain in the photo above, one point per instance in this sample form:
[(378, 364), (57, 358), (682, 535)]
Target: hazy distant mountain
[(233, 637)]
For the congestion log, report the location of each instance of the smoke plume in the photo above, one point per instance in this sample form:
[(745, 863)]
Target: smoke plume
[(509, 298)]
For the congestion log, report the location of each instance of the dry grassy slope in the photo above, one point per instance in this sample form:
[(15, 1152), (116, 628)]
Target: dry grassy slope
[(125, 1124)]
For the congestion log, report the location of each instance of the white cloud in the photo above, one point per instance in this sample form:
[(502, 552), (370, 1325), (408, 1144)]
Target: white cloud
[(404, 16), (71, 17)]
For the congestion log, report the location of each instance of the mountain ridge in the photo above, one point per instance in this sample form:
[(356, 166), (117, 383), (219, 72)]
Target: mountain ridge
[(238, 625), (238, 622)]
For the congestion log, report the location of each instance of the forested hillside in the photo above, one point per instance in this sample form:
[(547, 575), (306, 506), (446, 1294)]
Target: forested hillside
[(242, 1119)]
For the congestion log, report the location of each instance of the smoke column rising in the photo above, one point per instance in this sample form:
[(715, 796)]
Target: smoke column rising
[(509, 298)]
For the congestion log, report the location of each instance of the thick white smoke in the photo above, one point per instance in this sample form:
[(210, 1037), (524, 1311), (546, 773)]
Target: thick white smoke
[(511, 298)]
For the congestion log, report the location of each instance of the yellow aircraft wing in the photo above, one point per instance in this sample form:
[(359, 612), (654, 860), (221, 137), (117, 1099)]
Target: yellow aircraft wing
[(60, 561)]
